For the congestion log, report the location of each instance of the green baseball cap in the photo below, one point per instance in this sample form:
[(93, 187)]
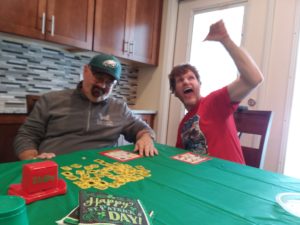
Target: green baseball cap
[(106, 64)]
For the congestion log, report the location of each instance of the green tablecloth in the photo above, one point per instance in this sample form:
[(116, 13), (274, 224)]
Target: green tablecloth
[(215, 192)]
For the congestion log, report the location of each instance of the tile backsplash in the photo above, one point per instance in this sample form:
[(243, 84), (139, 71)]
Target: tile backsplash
[(35, 68)]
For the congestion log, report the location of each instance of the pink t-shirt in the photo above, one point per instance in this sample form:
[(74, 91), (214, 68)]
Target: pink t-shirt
[(210, 128)]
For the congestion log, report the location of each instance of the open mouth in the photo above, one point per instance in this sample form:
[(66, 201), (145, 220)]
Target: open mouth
[(187, 90)]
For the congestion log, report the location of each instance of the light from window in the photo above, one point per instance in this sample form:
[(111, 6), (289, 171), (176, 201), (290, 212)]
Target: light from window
[(291, 167), (215, 66)]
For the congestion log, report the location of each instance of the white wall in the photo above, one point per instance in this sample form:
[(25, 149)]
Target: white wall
[(270, 32)]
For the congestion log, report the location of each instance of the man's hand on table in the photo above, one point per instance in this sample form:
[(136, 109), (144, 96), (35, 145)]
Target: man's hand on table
[(33, 154), (144, 144), (46, 155)]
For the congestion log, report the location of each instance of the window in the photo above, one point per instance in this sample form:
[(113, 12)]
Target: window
[(215, 67)]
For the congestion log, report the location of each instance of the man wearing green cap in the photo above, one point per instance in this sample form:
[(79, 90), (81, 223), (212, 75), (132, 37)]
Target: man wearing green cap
[(83, 118)]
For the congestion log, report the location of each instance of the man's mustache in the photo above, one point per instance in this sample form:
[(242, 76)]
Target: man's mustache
[(98, 91)]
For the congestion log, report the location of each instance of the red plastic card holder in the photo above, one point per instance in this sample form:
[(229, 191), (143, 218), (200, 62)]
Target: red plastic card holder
[(39, 181), (39, 176)]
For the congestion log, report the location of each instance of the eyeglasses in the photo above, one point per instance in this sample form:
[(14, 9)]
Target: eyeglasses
[(103, 78), (108, 82)]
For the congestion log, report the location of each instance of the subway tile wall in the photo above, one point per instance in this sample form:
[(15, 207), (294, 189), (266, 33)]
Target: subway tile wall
[(35, 68)]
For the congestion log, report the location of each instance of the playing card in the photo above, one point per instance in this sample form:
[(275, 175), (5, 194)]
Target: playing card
[(191, 158), (120, 155)]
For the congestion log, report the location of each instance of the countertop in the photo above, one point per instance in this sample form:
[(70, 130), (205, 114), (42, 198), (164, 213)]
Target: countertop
[(141, 111), (135, 111)]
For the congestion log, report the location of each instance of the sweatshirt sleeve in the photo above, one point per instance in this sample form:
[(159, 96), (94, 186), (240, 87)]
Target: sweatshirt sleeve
[(33, 130), (133, 124)]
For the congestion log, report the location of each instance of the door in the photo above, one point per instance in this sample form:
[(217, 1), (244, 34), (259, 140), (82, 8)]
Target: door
[(194, 22), (253, 40), (110, 27), (70, 22), (23, 17)]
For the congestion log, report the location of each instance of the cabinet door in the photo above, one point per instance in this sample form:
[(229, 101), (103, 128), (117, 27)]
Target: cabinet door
[(9, 126), (23, 17), (110, 25), (70, 22), (149, 119), (145, 31)]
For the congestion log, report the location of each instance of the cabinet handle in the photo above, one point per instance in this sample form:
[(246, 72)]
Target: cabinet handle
[(43, 22), (125, 45), (52, 25), (131, 48)]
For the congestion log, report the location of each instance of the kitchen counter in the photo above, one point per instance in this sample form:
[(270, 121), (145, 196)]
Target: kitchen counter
[(23, 111), (141, 111)]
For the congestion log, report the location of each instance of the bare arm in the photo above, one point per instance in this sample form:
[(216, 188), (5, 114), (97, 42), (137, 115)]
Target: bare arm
[(250, 75)]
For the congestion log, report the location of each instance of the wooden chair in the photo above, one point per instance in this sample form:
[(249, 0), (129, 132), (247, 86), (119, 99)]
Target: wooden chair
[(30, 101), (257, 123)]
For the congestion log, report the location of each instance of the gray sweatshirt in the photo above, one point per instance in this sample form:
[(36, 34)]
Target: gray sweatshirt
[(66, 121)]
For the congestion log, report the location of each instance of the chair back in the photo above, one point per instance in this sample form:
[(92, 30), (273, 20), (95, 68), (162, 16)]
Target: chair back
[(30, 101), (258, 123)]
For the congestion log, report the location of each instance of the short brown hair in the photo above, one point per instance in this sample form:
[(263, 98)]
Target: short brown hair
[(180, 70)]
